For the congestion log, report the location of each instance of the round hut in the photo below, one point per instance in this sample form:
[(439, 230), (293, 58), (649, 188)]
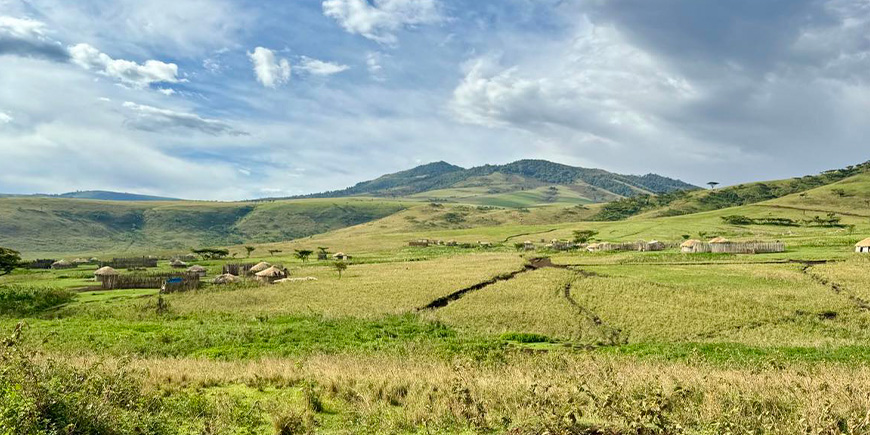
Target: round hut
[(227, 279), (198, 270), (259, 267), (178, 264), (270, 275), (719, 241), (105, 274), (863, 247), (691, 246), (341, 256), (62, 264)]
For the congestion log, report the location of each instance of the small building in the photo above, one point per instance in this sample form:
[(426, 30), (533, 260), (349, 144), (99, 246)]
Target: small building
[(178, 264), (259, 267), (690, 246), (63, 264), (863, 247), (105, 273), (226, 279), (80, 261), (719, 240), (270, 275), (528, 245), (340, 256), (652, 246), (198, 270)]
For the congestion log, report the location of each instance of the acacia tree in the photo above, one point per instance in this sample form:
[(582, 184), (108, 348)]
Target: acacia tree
[(303, 254), (272, 252), (212, 253), (339, 266), (713, 184), (250, 249), (583, 236), (9, 260)]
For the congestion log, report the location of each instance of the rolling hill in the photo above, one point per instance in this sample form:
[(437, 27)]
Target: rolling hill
[(442, 181), (102, 195)]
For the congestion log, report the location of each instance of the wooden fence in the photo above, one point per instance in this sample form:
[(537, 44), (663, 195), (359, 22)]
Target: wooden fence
[(237, 269), (747, 247), (157, 280), (130, 263), (40, 264)]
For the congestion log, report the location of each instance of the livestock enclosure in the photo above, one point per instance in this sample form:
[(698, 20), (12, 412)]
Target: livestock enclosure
[(188, 281), (131, 263)]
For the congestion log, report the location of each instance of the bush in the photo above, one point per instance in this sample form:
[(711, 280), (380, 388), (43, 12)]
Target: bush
[(523, 337), (22, 301)]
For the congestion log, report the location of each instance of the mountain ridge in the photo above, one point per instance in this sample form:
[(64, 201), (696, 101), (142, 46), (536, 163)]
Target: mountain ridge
[(532, 173)]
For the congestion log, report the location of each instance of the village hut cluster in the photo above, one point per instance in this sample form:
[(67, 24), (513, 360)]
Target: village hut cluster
[(427, 243), (640, 245)]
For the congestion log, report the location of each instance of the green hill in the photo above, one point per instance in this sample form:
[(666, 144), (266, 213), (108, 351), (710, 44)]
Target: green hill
[(102, 195), (445, 182), (47, 226), (682, 202)]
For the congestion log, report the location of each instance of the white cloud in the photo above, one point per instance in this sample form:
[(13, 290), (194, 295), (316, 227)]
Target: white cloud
[(373, 64), (154, 119), (380, 20), (5, 118), (128, 72), (319, 67), (166, 91), (27, 38), (270, 71)]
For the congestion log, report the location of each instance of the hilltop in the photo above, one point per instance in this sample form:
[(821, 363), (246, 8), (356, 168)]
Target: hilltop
[(548, 182)]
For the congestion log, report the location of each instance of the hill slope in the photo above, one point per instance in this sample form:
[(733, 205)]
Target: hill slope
[(440, 181), (101, 195), (51, 226)]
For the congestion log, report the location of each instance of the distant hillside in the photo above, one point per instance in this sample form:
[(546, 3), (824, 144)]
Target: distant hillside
[(48, 226), (100, 195), (683, 203), (443, 181)]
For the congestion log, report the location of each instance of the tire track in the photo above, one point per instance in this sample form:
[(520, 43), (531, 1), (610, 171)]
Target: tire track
[(838, 289), (609, 335)]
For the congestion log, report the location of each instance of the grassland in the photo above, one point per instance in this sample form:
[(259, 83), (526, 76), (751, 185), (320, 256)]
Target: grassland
[(466, 340)]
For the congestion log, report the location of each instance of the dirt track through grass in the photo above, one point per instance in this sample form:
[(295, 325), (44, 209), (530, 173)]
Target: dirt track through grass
[(609, 335), (838, 289)]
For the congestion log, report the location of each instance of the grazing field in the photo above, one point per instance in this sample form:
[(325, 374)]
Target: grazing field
[(480, 338)]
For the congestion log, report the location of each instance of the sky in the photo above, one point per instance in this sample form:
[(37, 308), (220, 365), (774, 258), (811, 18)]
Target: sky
[(242, 99)]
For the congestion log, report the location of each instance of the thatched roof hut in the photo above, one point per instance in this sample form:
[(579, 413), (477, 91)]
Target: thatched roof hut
[(340, 256), (62, 264), (197, 269), (719, 240), (177, 263), (227, 279), (271, 275), (259, 267), (863, 246), (694, 246), (106, 271)]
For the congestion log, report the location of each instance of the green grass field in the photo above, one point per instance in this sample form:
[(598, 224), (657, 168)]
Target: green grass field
[(460, 340)]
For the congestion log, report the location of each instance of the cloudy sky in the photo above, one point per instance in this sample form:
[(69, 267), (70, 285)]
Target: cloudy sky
[(236, 99)]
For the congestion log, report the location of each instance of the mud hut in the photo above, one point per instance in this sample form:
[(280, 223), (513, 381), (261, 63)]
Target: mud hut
[(270, 275), (178, 264), (690, 246), (652, 246), (227, 279), (105, 273), (259, 267), (340, 256), (719, 240), (528, 245), (863, 247), (62, 264), (198, 270)]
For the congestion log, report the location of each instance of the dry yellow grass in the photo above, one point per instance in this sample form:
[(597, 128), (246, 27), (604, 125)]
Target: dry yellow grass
[(533, 302), (534, 393), (364, 291), (763, 305)]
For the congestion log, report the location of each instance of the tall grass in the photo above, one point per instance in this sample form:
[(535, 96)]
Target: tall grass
[(22, 300)]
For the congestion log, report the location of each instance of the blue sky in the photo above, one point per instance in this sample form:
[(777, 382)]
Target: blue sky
[(229, 99)]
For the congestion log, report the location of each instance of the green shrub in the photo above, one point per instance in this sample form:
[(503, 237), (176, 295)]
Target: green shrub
[(523, 337), (22, 301)]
